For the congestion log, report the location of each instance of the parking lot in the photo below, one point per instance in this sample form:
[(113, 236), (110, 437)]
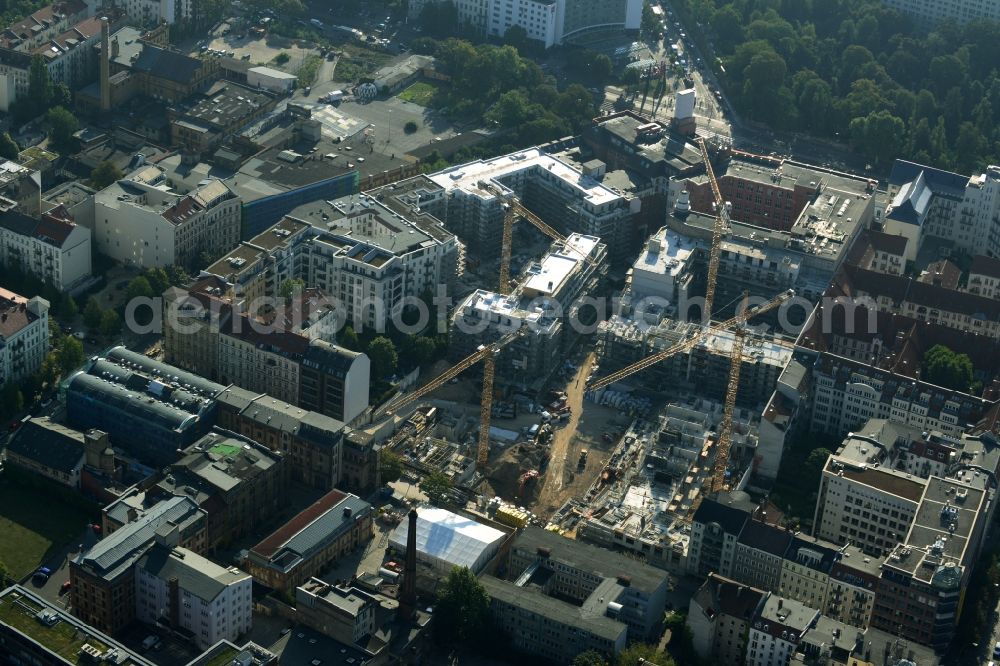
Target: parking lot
[(263, 50)]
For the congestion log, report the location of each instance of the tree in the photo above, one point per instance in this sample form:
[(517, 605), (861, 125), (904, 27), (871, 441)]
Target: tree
[(462, 611), (176, 275), (636, 653), (435, 486), (158, 279), (410, 127), (814, 465), (13, 399), (70, 354), (8, 147), (92, 312), (105, 174), (728, 26), (290, 287), (138, 287), (590, 658), (348, 339), (62, 125), (110, 323), (421, 349), (649, 25), (39, 85), (945, 368), (390, 466), (67, 307), (383, 356)]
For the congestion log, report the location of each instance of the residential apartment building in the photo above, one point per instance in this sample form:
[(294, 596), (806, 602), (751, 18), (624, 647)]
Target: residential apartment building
[(50, 449), (70, 56), (103, 578), (545, 307), (932, 12), (921, 590), (805, 571), (549, 22), (631, 592), (759, 554), (923, 299), (850, 595), (52, 248), (553, 188), (777, 630), (282, 353), (24, 335), (334, 381), (931, 203), (731, 623), (984, 276), (185, 591), (40, 26), (839, 580), (715, 529), (336, 524), (720, 616), (34, 630), (153, 12), (141, 222), (372, 255), (20, 188)]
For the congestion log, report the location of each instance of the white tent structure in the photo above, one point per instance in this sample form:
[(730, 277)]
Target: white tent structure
[(446, 540)]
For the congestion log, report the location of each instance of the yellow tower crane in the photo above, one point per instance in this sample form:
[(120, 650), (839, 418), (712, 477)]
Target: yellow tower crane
[(718, 231), (512, 209), (724, 437)]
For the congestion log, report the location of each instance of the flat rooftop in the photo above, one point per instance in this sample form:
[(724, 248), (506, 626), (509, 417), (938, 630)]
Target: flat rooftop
[(896, 483), (57, 631), (466, 177)]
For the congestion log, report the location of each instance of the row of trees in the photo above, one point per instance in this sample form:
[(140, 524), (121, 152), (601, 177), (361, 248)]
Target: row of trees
[(856, 70), (65, 354)]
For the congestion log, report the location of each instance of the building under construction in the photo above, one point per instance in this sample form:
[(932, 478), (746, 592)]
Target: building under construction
[(543, 306), (654, 478), (705, 369)]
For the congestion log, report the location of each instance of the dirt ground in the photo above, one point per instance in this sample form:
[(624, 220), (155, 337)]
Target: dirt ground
[(562, 478)]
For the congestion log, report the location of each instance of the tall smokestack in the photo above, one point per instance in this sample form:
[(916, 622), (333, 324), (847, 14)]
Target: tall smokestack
[(105, 64), (408, 595)]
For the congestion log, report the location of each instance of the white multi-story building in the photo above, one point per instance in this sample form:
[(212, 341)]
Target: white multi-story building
[(984, 277), (547, 21), (934, 11), (539, 18), (140, 221), (24, 335), (470, 200), (777, 630), (152, 12), (53, 248), (186, 590), (930, 203), (865, 504), (37, 28)]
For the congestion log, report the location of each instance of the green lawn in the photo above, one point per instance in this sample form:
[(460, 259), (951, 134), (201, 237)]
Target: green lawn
[(421, 93), (62, 638), (34, 523)]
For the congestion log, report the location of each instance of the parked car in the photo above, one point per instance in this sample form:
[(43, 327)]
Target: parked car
[(65, 587), (42, 575)]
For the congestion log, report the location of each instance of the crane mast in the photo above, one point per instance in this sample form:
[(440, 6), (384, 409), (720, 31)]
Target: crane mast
[(718, 231)]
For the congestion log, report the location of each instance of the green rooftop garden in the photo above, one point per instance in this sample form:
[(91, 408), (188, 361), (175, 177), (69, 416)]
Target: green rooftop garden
[(61, 638)]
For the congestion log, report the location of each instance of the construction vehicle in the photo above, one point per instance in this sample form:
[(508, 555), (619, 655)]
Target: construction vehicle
[(525, 478), (725, 430), (718, 231), (512, 208)]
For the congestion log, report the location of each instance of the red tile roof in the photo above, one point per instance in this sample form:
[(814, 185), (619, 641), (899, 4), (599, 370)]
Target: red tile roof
[(279, 537)]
